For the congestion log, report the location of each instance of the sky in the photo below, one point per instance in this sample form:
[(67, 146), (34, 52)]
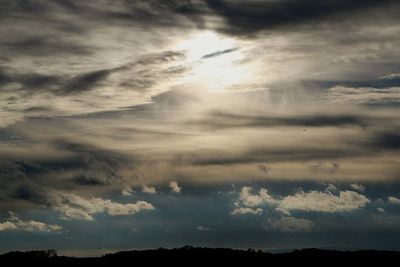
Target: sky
[(266, 124)]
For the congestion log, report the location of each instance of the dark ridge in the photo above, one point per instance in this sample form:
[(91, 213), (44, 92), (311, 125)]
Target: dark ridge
[(194, 255)]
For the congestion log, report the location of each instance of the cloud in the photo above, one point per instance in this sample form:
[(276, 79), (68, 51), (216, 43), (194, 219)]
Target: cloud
[(246, 210), (358, 187), (394, 200), (325, 167), (381, 210), (245, 18), (17, 224), (390, 76), (221, 120), (331, 188), (263, 168), (364, 95), (83, 70), (254, 200), (175, 187), (149, 189), (219, 53), (315, 201), (389, 139), (88, 180), (291, 224), (86, 81), (75, 207), (312, 201), (127, 191), (90, 105), (203, 228), (130, 84)]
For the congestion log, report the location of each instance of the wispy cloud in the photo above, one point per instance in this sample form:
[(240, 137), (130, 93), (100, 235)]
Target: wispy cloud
[(14, 223)]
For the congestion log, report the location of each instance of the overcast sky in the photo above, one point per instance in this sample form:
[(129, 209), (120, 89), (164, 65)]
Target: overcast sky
[(271, 124)]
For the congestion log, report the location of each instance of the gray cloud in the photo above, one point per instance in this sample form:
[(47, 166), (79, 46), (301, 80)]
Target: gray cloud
[(388, 140), (370, 96), (291, 224), (218, 53), (253, 16), (84, 179), (225, 120)]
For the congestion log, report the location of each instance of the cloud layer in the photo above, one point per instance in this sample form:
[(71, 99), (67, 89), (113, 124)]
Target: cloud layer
[(174, 120)]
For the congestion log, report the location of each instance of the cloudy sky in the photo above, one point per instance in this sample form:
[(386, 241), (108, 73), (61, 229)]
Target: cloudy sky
[(271, 124)]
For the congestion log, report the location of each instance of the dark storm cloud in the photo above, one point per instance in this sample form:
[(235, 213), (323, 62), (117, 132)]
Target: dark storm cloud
[(242, 17), (389, 140), (31, 194), (87, 156), (88, 180), (26, 178), (4, 78), (10, 172), (246, 17), (86, 81)]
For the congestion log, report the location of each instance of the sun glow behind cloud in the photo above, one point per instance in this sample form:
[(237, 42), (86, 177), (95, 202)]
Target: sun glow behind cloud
[(216, 61)]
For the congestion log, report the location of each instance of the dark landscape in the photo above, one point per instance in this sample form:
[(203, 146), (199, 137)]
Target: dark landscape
[(196, 255)]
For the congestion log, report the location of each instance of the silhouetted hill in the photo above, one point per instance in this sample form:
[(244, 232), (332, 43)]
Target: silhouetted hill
[(192, 256)]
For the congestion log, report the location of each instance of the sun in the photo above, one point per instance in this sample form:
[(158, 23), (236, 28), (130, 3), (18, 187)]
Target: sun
[(214, 60), (204, 43)]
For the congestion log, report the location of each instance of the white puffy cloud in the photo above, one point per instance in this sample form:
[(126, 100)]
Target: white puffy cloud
[(323, 201), (246, 210), (253, 200), (7, 226), (149, 189), (76, 207), (175, 187), (291, 224), (394, 200), (303, 201), (127, 191), (15, 223), (358, 187)]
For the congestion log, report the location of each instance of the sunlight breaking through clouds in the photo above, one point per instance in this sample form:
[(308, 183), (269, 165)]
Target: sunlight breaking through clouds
[(137, 124)]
